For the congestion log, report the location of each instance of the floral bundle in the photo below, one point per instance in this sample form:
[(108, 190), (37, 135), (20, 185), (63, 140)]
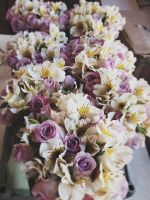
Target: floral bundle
[(83, 109)]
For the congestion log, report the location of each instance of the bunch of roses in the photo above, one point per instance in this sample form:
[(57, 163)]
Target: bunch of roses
[(37, 15), (35, 47), (85, 111)]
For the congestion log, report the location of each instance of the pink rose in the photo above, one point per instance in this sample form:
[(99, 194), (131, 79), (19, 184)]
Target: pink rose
[(45, 190), (46, 131), (22, 152)]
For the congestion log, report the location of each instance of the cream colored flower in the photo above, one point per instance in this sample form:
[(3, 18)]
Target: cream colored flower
[(78, 110), (115, 158)]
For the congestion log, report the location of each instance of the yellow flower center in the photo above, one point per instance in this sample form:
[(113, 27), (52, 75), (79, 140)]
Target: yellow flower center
[(120, 66), (138, 91), (84, 110), (105, 132), (45, 73)]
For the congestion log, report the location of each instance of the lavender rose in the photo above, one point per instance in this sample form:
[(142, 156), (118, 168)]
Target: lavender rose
[(84, 164), (44, 190), (47, 131), (22, 153), (32, 21), (124, 87), (38, 103), (38, 57), (91, 79), (23, 62), (18, 25), (63, 19), (69, 83), (50, 85), (10, 15), (12, 60), (72, 143), (44, 25)]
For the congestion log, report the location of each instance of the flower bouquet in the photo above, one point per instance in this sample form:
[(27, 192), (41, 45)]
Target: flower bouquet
[(81, 111)]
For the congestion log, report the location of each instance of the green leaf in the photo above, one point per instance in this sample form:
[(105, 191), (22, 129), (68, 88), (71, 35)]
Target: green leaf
[(140, 129), (33, 121)]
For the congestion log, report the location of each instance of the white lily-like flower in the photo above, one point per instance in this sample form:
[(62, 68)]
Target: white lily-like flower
[(78, 110), (116, 158), (110, 133)]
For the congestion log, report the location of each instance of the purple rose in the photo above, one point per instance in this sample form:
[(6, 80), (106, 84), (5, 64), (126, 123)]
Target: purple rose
[(124, 87), (72, 143), (117, 115), (69, 83), (44, 25), (18, 25), (37, 103), (63, 19), (22, 63), (45, 190), (22, 153), (109, 63), (46, 131), (12, 60), (136, 142), (6, 117), (38, 57), (91, 79), (84, 164), (50, 85), (71, 50), (32, 21)]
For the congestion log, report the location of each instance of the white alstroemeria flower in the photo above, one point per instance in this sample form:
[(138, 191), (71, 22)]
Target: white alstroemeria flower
[(78, 110), (136, 114), (110, 133), (47, 70), (47, 147), (72, 191), (142, 91), (115, 158)]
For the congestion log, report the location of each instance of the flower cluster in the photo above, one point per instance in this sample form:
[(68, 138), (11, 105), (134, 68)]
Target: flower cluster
[(37, 15), (83, 110), (90, 18), (35, 47)]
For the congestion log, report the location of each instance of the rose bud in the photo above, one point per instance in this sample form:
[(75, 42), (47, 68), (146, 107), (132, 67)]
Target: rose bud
[(22, 153), (72, 143), (84, 164), (32, 21), (44, 190), (6, 117), (47, 131), (44, 25), (69, 83), (12, 60), (38, 58), (22, 63), (38, 102), (50, 85), (18, 25)]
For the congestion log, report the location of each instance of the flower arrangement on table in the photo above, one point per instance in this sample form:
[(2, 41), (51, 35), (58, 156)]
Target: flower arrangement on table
[(85, 109)]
